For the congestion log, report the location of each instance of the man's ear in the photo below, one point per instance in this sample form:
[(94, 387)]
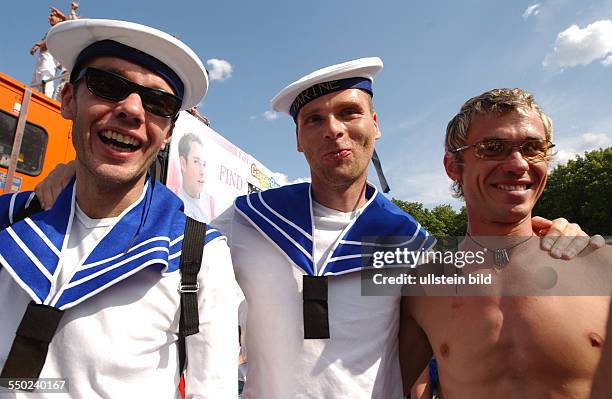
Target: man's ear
[(183, 162), (168, 135), (297, 140), (68, 100), (453, 168), (378, 133)]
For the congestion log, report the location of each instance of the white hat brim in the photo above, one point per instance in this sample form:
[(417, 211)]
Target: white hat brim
[(362, 67), (67, 39)]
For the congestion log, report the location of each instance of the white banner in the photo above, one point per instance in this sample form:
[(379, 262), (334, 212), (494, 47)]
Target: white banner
[(208, 172)]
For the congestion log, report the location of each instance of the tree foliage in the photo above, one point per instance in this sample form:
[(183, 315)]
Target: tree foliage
[(441, 221), (581, 191)]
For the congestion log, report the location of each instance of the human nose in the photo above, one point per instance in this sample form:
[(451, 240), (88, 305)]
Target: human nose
[(131, 109), (335, 128), (516, 161)]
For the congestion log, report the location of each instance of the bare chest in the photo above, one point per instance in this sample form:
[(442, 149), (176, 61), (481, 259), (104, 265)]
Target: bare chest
[(515, 336)]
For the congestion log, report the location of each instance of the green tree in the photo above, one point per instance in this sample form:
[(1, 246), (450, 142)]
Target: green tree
[(581, 191), (441, 221), (446, 216)]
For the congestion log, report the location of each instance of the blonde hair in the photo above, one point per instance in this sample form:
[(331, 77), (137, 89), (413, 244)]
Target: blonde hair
[(500, 101)]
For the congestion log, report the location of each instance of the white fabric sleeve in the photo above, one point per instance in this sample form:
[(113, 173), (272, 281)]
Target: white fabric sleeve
[(212, 353), (223, 223)]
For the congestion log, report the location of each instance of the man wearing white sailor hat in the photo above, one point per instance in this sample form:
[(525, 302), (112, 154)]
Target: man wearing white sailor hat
[(297, 252), (89, 287)]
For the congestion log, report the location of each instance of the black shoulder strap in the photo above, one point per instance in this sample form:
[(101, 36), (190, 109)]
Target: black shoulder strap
[(191, 260), (32, 208)]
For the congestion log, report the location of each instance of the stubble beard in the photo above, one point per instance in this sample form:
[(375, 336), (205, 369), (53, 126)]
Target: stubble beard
[(105, 176)]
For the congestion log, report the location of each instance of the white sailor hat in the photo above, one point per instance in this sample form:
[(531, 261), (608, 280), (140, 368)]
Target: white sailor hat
[(356, 74), (75, 42)]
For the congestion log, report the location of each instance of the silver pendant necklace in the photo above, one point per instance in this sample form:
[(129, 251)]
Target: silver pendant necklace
[(501, 257)]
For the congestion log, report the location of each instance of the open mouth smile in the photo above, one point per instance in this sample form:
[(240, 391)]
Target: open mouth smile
[(512, 187), (118, 141)]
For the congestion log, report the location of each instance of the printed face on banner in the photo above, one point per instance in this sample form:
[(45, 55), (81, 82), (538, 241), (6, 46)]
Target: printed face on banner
[(193, 169)]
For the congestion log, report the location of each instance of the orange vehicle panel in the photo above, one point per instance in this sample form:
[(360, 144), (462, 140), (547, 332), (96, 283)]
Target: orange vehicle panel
[(43, 112)]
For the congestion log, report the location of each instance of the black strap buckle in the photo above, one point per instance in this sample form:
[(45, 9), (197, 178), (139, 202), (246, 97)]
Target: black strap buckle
[(189, 288)]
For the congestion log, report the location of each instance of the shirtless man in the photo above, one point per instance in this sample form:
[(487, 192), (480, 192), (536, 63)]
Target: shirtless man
[(503, 345)]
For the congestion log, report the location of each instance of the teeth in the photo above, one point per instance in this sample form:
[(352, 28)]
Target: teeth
[(505, 187), (109, 134)]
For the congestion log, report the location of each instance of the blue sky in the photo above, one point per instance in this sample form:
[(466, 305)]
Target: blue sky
[(437, 55)]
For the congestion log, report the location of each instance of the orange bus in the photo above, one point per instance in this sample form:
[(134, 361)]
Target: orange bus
[(33, 136)]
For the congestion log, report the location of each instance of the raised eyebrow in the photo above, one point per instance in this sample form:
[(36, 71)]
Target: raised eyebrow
[(350, 104)]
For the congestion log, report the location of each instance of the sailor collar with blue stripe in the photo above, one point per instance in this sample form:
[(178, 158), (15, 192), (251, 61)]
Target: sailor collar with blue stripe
[(31, 250), (284, 216)]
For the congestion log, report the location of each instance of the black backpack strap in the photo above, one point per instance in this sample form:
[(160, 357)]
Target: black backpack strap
[(191, 261)]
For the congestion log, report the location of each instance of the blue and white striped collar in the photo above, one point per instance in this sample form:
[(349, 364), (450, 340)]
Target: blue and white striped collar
[(31, 250), (284, 216)]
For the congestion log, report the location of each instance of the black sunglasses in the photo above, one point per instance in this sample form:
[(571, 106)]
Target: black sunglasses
[(113, 87), (533, 150)]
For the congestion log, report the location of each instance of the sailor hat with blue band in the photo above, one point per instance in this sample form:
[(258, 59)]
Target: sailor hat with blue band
[(154, 49), (357, 74)]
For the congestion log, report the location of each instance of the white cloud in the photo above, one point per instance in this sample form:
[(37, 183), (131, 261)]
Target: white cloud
[(305, 179), (283, 179), (532, 10), (252, 117), (270, 115), (428, 188), (568, 148), (575, 46), (219, 69)]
